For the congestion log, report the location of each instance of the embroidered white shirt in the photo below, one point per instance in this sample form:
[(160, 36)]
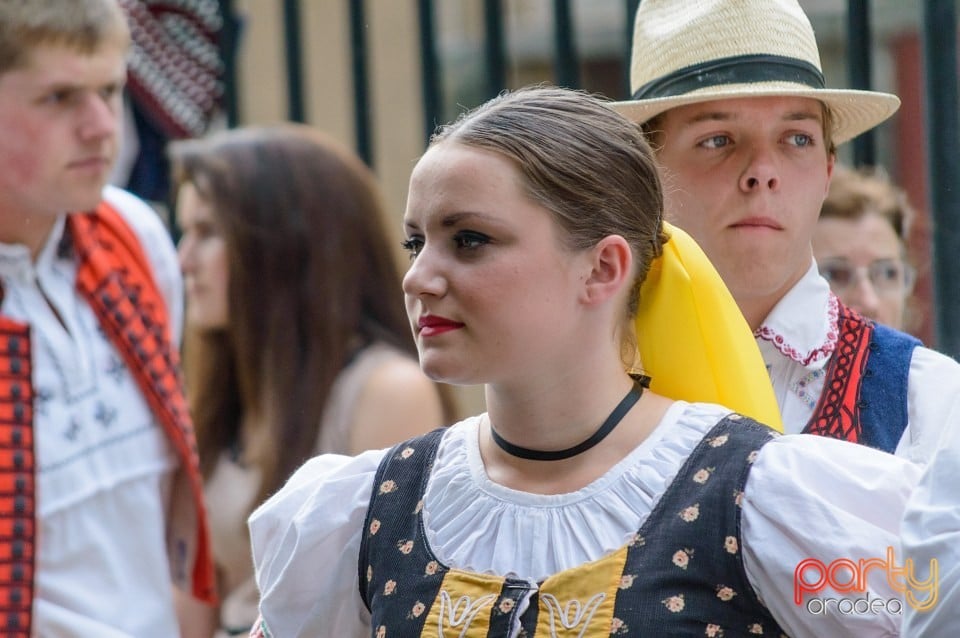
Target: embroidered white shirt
[(797, 341), (103, 462)]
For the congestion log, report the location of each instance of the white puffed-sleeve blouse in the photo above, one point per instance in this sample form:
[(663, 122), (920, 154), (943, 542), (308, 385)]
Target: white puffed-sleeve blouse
[(806, 497)]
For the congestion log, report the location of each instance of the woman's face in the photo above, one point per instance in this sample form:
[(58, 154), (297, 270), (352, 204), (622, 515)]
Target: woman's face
[(203, 259), (491, 293), (863, 261)]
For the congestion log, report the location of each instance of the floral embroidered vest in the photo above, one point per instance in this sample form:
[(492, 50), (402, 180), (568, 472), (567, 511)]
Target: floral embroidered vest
[(864, 398), (114, 276), (681, 574)]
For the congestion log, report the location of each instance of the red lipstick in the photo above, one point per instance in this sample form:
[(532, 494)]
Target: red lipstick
[(433, 325)]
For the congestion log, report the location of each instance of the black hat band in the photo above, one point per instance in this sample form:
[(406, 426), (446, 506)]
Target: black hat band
[(740, 69)]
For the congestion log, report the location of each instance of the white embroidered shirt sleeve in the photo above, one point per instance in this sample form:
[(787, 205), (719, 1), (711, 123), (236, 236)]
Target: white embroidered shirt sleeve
[(933, 395), (931, 535), (802, 485)]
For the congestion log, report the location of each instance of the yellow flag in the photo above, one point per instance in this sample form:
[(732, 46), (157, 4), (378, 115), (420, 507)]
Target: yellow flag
[(693, 340)]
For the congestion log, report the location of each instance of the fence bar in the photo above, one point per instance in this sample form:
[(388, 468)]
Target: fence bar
[(294, 58), (942, 137), (361, 98), (631, 7), (228, 43), (859, 72), (430, 68), (494, 47), (566, 68)]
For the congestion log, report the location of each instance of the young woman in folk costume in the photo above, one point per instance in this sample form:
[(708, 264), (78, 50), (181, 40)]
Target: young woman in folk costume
[(582, 502)]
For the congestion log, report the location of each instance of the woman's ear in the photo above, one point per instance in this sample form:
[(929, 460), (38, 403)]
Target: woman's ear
[(611, 269)]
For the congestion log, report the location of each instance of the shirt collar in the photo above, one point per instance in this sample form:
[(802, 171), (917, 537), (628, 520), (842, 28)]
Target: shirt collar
[(16, 261), (803, 324)]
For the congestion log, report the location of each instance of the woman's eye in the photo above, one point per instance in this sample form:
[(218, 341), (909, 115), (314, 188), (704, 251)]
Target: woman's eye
[(413, 246), (202, 231), (840, 275), (470, 239)]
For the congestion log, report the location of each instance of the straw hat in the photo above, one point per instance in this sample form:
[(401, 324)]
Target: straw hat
[(689, 51)]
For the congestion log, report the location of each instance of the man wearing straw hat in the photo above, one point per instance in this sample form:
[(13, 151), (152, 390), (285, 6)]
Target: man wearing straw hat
[(732, 96)]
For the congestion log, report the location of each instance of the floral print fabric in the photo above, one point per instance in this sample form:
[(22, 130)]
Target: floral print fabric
[(682, 572)]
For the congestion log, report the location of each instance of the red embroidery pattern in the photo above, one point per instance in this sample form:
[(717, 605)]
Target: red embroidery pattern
[(768, 334), (174, 65), (17, 539), (838, 413)]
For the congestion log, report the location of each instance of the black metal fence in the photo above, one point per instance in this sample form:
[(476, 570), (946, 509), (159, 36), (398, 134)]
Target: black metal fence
[(942, 135)]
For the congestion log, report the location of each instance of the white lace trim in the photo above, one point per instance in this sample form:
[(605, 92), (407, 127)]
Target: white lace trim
[(481, 526), (798, 332)]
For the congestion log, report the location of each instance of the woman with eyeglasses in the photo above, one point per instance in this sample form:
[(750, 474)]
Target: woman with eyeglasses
[(860, 245)]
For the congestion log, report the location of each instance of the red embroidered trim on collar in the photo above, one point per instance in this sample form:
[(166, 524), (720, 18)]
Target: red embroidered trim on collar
[(825, 350)]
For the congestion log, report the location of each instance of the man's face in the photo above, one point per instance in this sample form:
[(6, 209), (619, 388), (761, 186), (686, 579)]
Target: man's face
[(746, 178), (60, 117)]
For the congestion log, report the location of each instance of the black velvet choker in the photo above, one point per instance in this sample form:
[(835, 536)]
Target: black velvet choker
[(639, 383)]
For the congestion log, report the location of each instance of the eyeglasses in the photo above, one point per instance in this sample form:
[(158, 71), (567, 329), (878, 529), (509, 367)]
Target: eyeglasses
[(887, 276)]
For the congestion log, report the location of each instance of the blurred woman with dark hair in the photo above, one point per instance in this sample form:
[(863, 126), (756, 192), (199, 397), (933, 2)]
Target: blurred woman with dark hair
[(297, 341)]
